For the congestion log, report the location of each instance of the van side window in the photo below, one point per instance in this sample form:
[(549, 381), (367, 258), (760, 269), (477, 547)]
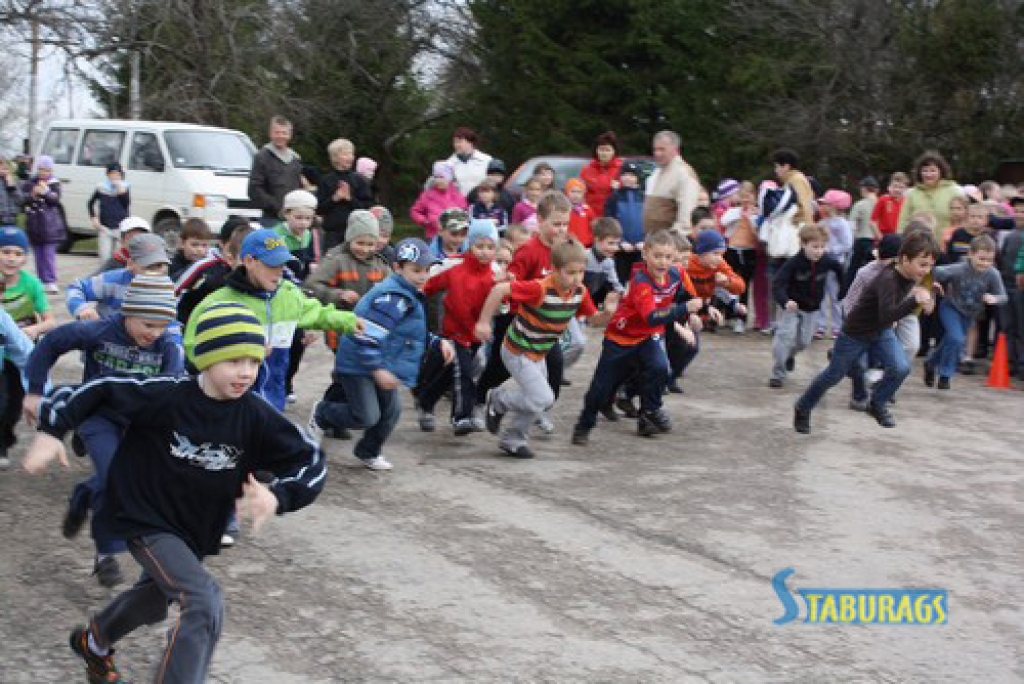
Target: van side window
[(145, 155), (60, 144), (100, 148)]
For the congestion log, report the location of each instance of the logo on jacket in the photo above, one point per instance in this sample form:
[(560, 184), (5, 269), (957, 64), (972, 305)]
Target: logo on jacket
[(206, 455)]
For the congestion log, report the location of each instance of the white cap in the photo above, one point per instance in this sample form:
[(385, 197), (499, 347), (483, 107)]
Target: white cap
[(134, 223), (299, 199)]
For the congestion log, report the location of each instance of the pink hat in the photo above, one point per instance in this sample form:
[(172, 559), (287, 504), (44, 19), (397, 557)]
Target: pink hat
[(365, 166), (837, 198)]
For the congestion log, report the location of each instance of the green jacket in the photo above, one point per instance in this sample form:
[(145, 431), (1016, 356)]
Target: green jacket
[(934, 200)]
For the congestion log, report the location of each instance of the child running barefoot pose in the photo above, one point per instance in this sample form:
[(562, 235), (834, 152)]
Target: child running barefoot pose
[(545, 307), (893, 294), (191, 447)]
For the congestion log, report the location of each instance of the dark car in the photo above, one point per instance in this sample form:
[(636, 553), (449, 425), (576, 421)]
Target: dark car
[(566, 167)]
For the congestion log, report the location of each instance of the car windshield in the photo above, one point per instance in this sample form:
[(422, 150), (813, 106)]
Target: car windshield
[(218, 150)]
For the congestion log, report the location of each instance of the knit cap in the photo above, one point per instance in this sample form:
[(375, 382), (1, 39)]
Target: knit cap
[(384, 219), (365, 166), (443, 170), (150, 297), (226, 331), (481, 229), (44, 161), (727, 188), (299, 199), (11, 236), (575, 184), (708, 241), (361, 223)]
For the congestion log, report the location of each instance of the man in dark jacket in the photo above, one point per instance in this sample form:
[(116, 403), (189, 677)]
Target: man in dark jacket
[(276, 171)]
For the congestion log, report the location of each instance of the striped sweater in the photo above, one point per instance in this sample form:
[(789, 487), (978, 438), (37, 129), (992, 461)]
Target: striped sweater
[(544, 314)]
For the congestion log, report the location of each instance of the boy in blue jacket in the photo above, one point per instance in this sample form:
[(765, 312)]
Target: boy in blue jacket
[(371, 365), (626, 205), (98, 296), (131, 344)]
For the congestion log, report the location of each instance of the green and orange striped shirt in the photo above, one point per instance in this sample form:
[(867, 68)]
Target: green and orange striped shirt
[(544, 313)]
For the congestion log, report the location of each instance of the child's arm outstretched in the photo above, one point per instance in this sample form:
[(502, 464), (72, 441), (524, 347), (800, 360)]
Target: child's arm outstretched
[(499, 292)]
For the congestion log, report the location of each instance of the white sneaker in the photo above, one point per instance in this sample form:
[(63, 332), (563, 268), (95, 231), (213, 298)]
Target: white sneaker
[(314, 428), (52, 288), (545, 425), (5, 462), (291, 398), (426, 420), (227, 541), (872, 376), (377, 463), (479, 424), (738, 327)]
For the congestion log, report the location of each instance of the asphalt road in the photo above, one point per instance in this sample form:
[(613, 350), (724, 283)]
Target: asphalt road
[(634, 560)]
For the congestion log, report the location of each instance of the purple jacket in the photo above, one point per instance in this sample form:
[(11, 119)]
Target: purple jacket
[(44, 215)]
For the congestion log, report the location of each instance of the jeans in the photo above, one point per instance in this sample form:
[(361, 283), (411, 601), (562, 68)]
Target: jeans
[(170, 572), (847, 352), (524, 404), (615, 364), (680, 353), (365, 407), (436, 378), (101, 437), (793, 333), (945, 357)]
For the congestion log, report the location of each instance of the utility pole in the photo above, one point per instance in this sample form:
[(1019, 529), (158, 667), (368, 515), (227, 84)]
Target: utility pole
[(33, 87), (135, 87)]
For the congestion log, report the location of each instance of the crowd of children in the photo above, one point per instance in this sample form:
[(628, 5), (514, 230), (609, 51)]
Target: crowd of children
[(489, 308)]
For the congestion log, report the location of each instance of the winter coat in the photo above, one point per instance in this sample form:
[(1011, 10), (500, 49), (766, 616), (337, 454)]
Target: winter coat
[(272, 177), (335, 214), (935, 200), (44, 215), (431, 203), (599, 178), (627, 205)]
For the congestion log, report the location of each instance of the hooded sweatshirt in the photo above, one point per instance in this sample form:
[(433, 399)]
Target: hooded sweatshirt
[(467, 284)]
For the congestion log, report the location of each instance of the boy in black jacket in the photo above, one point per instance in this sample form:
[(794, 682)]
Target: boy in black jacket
[(798, 288), (192, 446)]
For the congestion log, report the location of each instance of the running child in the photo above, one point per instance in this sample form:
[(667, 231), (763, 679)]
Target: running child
[(191, 446), (195, 246)]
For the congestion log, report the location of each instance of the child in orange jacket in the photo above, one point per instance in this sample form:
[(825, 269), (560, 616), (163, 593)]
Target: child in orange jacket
[(714, 280)]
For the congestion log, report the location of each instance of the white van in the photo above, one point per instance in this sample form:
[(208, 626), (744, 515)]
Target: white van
[(175, 171)]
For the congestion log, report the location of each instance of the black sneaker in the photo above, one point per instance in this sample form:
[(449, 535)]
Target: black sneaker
[(674, 386), (565, 382), (652, 423), (802, 421), (463, 427), (78, 446), (608, 411), (580, 436), (943, 384), (660, 419), (518, 452), (775, 383), (98, 669), (626, 406), (790, 363), (967, 368), (338, 433), (493, 417), (108, 571), (929, 375), (882, 415), (73, 522)]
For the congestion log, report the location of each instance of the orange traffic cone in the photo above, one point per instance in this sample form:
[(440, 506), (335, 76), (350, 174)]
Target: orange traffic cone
[(999, 373)]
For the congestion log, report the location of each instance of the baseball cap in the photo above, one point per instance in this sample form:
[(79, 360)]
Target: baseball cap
[(148, 249), (454, 219), (416, 251), (267, 246), (134, 223)]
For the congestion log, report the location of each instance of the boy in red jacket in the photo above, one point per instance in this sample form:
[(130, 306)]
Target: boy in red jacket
[(467, 285), (582, 215), (655, 298)]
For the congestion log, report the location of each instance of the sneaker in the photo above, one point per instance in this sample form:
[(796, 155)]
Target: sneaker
[(5, 460), (566, 382), (653, 423), (802, 421), (73, 522), (819, 334), (313, 426), (426, 419), (859, 404), (674, 387), (768, 332), (98, 669), (227, 540), (661, 419), (518, 452), (835, 334), (580, 436), (377, 463), (739, 327), (492, 417), (108, 571), (790, 364), (479, 424), (52, 288), (967, 367), (873, 376), (291, 398), (608, 411), (463, 427), (943, 384), (544, 424), (775, 383), (929, 375), (626, 406), (882, 415), (338, 433)]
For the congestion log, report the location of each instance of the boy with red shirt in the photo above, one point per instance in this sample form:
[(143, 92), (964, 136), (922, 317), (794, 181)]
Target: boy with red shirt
[(656, 297), (545, 308), (530, 262), (582, 215), (886, 214), (467, 285)]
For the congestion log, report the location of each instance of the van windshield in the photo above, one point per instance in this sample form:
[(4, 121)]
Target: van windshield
[(217, 150)]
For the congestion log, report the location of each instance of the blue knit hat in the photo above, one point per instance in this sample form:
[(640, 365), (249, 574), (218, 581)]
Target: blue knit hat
[(11, 236), (481, 229), (708, 241)]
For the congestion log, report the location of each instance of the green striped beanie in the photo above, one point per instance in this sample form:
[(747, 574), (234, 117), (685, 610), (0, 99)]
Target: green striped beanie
[(150, 297), (226, 331)]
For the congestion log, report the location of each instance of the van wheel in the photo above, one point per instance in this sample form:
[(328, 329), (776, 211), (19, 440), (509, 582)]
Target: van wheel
[(67, 244), (169, 229)]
